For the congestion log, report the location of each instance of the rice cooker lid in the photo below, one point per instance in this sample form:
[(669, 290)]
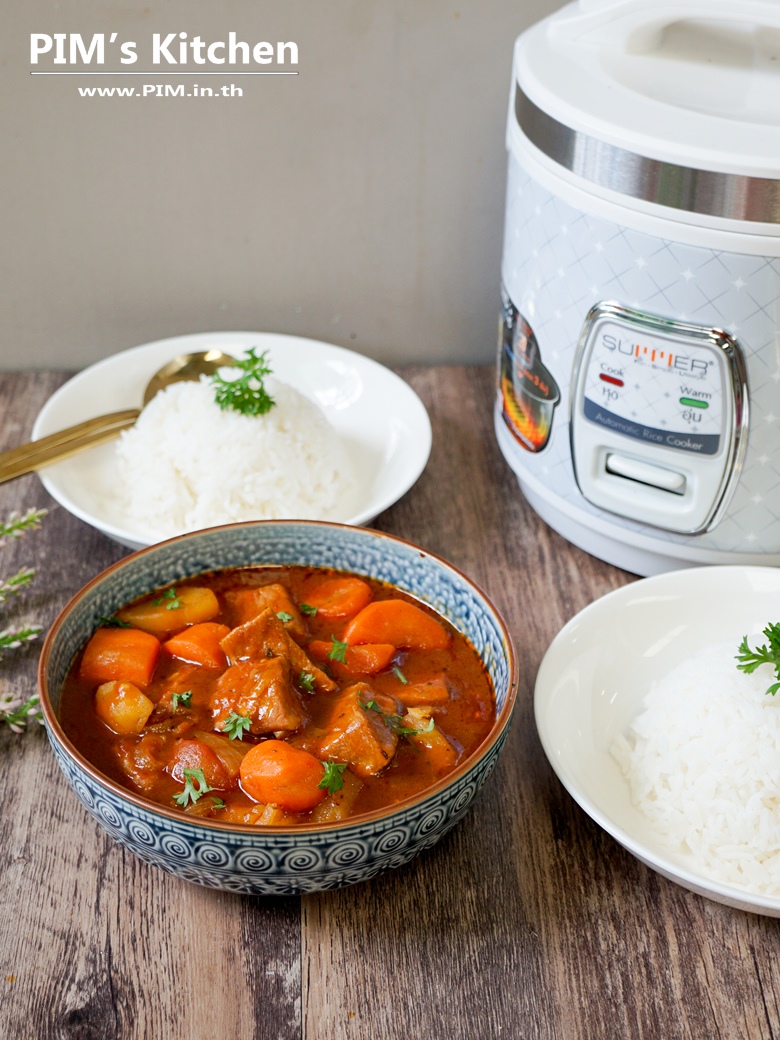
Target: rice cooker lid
[(675, 102)]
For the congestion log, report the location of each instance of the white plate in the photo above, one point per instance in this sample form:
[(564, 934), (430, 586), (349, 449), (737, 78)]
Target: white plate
[(383, 422), (599, 668)]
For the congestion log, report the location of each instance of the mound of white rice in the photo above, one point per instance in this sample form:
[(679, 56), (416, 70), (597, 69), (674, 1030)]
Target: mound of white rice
[(703, 764), (188, 464)]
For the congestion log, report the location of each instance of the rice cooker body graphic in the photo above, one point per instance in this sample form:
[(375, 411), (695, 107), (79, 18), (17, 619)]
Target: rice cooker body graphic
[(638, 397)]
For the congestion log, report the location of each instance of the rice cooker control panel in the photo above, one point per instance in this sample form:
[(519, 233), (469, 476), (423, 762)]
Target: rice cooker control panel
[(658, 418)]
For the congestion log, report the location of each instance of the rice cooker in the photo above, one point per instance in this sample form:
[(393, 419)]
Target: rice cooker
[(639, 352)]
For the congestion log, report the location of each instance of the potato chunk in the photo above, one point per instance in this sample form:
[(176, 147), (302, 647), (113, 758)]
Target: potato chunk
[(122, 707), (172, 610)]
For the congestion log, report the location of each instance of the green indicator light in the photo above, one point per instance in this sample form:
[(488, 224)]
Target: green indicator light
[(691, 402)]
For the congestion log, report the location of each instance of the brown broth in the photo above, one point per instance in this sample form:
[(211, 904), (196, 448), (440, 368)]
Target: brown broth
[(465, 719)]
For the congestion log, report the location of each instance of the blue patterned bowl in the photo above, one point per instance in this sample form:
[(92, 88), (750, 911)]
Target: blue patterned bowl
[(277, 860)]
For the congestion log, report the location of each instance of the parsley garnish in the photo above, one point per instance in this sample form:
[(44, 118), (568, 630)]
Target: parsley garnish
[(395, 722), (191, 793), (184, 698), (112, 622), (174, 604), (400, 675), (284, 617), (245, 393), (235, 724), (217, 803), (332, 779), (306, 682), (306, 608), (749, 659), (338, 652)]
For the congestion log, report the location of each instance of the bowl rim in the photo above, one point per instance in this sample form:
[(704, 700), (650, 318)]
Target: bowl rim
[(58, 735)]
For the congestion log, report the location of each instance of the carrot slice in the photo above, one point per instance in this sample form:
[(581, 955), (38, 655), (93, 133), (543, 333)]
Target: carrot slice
[(367, 659), (172, 610), (398, 622), (122, 707), (120, 653), (339, 597), (199, 644), (279, 774)]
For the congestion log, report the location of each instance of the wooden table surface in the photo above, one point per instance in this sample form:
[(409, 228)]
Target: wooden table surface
[(526, 921)]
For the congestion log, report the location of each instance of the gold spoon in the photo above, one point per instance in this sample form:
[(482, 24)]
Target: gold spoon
[(29, 457)]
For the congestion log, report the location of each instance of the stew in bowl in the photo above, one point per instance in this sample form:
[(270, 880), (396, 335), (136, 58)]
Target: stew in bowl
[(278, 706), (277, 696)]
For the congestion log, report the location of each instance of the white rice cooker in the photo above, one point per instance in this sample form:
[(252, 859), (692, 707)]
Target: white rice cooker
[(639, 355)]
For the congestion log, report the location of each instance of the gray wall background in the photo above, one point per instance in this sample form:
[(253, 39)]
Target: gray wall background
[(360, 202)]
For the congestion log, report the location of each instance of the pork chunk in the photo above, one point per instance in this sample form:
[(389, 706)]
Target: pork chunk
[(441, 751), (141, 759), (260, 691), (245, 604), (180, 682), (358, 735), (433, 693), (264, 637)]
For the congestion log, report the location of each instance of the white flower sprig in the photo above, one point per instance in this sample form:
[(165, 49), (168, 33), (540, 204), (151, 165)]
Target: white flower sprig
[(10, 586), (18, 524), (13, 638), (14, 711)]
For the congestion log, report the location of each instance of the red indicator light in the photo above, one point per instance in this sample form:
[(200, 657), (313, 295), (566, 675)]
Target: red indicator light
[(611, 379)]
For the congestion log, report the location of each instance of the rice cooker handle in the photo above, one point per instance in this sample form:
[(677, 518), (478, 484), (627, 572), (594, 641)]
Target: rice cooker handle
[(635, 26)]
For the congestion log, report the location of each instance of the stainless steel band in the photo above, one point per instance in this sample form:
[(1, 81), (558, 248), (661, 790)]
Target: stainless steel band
[(728, 195)]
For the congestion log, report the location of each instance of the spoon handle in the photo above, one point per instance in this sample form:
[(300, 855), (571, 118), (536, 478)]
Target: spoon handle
[(29, 457)]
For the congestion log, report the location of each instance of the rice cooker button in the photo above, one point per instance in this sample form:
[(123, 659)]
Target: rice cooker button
[(645, 473)]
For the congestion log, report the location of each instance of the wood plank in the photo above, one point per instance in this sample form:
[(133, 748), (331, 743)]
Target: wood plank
[(527, 921), (92, 941)]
